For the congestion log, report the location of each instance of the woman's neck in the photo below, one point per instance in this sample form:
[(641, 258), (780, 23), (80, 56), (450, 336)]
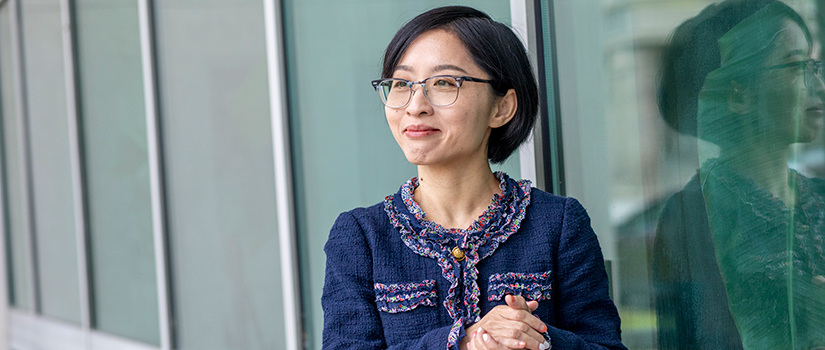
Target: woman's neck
[(455, 196), (766, 165)]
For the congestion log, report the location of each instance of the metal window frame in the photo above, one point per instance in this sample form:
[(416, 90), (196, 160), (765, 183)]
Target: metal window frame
[(76, 164), (521, 18), (524, 18), (156, 171), (18, 60), (4, 229), (541, 157), (285, 202), (24, 328), (551, 146)]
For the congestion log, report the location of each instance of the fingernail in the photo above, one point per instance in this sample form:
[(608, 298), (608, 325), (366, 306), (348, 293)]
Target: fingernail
[(544, 346), (522, 344), (485, 337), (474, 334), (544, 328)]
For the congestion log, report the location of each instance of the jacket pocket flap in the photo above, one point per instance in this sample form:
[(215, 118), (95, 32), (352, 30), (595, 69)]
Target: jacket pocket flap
[(532, 286), (401, 297)]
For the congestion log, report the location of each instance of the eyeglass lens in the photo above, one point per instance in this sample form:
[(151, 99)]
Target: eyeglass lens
[(440, 91), (813, 70)]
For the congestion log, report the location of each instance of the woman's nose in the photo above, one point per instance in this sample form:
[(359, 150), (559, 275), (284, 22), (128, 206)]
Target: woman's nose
[(419, 104), (818, 87)]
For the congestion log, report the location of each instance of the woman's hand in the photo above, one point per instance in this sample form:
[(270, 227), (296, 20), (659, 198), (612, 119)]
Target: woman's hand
[(510, 326), (481, 340)]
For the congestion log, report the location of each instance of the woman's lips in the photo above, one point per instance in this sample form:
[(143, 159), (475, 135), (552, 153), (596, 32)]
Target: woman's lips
[(420, 131), (815, 111)]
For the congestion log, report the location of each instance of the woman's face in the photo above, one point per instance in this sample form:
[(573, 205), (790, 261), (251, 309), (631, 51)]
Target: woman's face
[(453, 134), (789, 110)]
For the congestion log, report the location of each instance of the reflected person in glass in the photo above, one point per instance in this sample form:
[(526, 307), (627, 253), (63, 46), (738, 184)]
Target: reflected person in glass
[(738, 256), (462, 257)]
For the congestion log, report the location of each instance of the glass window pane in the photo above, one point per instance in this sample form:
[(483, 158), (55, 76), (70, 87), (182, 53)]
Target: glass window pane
[(121, 248), (344, 155), (713, 221), (18, 250), (219, 169), (53, 200)]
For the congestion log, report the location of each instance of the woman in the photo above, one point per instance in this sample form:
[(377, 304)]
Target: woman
[(461, 257), (739, 257)]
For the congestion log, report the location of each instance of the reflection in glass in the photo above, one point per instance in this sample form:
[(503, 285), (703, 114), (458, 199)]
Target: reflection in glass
[(124, 289), (739, 259)]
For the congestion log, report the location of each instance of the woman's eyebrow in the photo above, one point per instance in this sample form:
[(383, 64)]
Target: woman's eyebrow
[(403, 67), (797, 52), (442, 67), (436, 69)]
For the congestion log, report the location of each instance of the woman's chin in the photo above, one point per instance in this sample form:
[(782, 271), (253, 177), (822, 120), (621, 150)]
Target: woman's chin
[(810, 129), (418, 158)]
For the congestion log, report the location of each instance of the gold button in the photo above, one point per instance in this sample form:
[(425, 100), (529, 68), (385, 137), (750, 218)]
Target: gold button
[(458, 254)]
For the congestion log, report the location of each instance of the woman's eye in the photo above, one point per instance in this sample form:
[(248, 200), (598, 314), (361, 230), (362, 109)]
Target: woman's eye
[(399, 84), (444, 83)]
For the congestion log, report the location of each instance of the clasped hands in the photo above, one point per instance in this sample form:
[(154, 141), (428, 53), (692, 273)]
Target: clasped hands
[(507, 327)]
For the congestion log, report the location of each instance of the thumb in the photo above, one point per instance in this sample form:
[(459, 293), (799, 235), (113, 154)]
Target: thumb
[(518, 302)]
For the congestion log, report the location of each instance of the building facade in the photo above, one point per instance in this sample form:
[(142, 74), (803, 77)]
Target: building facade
[(171, 169)]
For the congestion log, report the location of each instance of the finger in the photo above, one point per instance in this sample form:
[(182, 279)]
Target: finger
[(486, 340), (514, 344), (517, 302), (478, 342), (471, 345), (533, 305), (526, 317), (516, 335)]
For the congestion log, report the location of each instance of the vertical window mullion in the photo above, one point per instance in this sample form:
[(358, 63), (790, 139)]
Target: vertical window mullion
[(159, 227), (290, 279), (550, 140), (5, 292), (78, 185), (520, 18), (25, 151)]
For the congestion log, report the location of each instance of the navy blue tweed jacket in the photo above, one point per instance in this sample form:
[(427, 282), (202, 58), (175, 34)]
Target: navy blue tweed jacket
[(379, 293)]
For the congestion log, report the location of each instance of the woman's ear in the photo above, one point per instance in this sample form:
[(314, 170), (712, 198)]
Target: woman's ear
[(505, 109), (740, 100)]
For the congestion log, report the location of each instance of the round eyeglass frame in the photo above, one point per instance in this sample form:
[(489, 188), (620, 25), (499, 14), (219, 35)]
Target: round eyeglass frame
[(459, 80), (813, 68)]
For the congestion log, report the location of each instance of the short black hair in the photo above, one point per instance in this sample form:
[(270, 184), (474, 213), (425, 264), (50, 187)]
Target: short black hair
[(496, 49), (691, 55), (693, 52)]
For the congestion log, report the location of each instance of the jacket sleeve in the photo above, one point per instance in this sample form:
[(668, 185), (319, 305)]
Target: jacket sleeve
[(586, 317), (670, 278), (690, 297), (351, 317)]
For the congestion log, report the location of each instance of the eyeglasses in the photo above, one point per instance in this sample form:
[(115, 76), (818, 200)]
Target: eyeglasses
[(440, 90), (813, 69)]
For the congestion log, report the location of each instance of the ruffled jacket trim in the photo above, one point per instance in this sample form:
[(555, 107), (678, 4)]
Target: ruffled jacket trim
[(501, 219)]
